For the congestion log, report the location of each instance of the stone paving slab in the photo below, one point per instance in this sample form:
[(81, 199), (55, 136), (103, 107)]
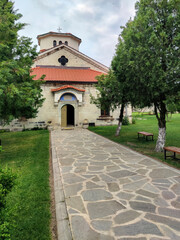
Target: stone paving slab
[(105, 191)]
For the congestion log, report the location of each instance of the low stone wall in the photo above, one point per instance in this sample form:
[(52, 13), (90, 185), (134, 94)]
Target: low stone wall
[(17, 125)]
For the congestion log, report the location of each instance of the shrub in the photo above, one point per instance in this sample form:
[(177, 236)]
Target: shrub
[(133, 121), (7, 179), (4, 231), (6, 183), (125, 121), (2, 196)]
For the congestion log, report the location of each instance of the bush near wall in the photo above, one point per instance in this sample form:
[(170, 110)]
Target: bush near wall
[(6, 183)]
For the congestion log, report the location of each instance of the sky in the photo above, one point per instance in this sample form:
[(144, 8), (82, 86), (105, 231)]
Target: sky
[(96, 22)]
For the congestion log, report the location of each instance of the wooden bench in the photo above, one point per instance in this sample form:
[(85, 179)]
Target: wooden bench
[(171, 149), (146, 134)]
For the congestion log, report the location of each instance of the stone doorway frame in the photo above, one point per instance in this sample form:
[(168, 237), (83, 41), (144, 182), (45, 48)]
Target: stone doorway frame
[(76, 111), (78, 93)]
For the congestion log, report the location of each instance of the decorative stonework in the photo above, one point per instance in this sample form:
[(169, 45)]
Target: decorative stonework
[(76, 93)]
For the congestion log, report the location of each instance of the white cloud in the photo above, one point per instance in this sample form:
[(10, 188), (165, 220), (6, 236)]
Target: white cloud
[(82, 8), (96, 22)]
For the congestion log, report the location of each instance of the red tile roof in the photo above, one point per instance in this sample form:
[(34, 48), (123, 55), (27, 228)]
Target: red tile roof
[(42, 50), (56, 74), (65, 87)]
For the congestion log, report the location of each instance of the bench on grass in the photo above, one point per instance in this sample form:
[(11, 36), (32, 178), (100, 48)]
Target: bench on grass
[(146, 134), (171, 149)]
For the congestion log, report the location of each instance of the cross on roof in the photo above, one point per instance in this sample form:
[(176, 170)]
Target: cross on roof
[(59, 29)]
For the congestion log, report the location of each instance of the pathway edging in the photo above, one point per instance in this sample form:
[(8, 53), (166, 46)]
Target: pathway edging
[(63, 225)]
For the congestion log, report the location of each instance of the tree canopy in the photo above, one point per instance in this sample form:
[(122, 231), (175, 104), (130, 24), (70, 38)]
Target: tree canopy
[(20, 96), (111, 95), (152, 68), (107, 87)]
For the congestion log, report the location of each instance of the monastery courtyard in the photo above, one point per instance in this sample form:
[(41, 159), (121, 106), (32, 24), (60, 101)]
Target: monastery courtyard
[(104, 191)]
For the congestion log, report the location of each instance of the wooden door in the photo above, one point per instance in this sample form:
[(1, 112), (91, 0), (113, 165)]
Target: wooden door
[(64, 116)]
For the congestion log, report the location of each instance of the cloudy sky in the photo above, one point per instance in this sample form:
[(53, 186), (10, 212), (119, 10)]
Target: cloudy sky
[(96, 22)]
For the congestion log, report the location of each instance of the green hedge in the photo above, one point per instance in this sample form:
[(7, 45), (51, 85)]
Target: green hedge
[(6, 183)]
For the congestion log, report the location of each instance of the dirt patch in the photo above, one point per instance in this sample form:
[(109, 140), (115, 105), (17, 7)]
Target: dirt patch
[(53, 223)]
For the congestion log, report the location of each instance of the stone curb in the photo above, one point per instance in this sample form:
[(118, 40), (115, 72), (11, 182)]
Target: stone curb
[(63, 225)]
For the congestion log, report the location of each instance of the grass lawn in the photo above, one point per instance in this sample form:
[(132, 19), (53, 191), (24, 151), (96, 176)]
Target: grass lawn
[(147, 123), (28, 204)]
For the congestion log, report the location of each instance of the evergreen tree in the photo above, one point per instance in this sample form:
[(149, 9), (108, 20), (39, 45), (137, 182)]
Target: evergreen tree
[(20, 96)]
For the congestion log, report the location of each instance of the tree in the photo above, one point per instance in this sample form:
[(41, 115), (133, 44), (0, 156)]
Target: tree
[(110, 96), (116, 88), (173, 104), (152, 43), (20, 96), (122, 70)]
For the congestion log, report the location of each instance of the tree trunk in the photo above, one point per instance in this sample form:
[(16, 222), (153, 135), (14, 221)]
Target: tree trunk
[(120, 120), (161, 140), (162, 127)]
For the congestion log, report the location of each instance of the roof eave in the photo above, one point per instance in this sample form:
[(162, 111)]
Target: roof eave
[(56, 34), (104, 68), (70, 81)]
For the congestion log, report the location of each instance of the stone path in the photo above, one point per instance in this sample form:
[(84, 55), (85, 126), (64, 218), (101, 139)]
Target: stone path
[(104, 191)]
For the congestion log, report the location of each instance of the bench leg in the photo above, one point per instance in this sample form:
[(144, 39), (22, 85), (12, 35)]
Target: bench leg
[(171, 156), (164, 154), (147, 139)]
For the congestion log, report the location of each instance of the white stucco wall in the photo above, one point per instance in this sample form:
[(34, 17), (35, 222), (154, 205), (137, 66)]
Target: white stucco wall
[(73, 60), (47, 42), (48, 112), (51, 110)]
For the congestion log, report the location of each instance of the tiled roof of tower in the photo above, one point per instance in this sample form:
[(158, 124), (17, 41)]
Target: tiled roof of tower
[(57, 74), (58, 34)]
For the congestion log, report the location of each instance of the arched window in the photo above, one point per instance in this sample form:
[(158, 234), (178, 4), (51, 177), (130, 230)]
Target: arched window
[(54, 43), (66, 43), (60, 42)]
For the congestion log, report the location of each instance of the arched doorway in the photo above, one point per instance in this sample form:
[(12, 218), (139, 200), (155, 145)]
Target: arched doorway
[(67, 115), (70, 115)]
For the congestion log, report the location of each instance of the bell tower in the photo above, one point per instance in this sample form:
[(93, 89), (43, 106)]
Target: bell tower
[(54, 39)]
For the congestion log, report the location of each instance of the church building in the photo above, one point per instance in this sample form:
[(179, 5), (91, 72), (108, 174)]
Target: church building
[(70, 79)]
